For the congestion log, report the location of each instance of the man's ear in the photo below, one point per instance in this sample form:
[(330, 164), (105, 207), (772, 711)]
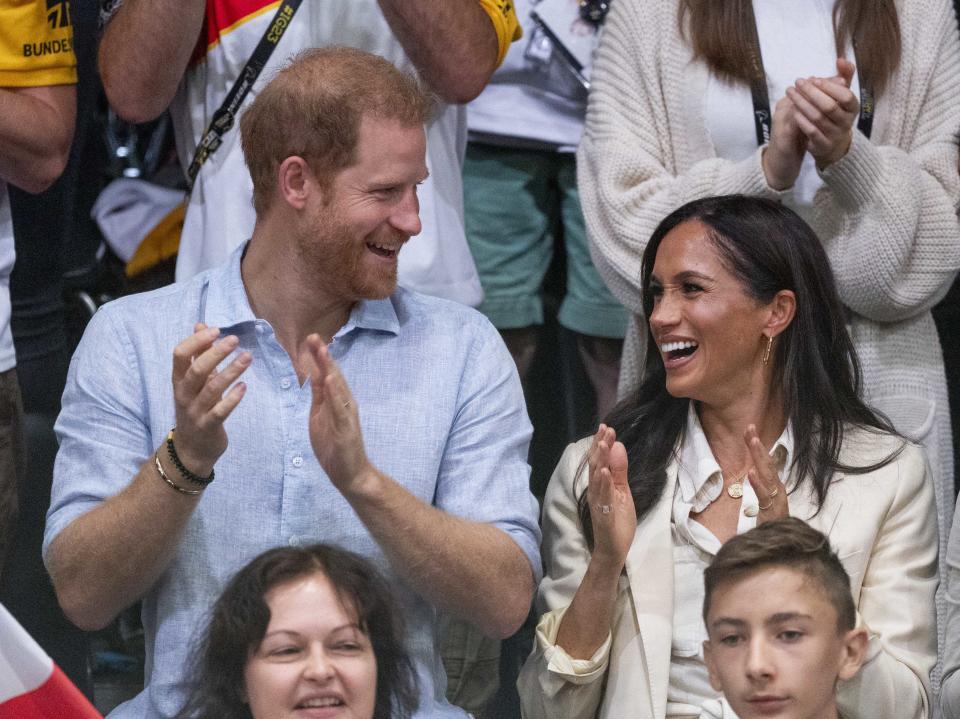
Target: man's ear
[(855, 644), (711, 667), (783, 307), (295, 181)]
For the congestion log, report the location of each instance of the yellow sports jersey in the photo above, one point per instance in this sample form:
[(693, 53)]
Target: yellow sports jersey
[(36, 43)]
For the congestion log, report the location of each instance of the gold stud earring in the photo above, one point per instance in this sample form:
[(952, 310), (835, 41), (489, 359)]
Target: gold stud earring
[(766, 351)]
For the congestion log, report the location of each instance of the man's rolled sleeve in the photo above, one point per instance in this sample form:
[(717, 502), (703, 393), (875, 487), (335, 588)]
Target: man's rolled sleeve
[(484, 475), (101, 429)]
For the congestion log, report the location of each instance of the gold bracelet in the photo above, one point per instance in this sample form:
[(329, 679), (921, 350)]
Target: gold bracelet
[(165, 478)]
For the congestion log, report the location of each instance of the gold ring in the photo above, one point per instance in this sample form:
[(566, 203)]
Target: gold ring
[(775, 492), (762, 508)]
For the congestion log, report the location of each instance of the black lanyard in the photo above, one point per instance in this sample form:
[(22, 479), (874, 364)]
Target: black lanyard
[(226, 114), (763, 118)]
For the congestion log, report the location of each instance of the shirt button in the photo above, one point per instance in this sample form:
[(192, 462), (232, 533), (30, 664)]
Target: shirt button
[(751, 510), (285, 383), (294, 540), (297, 461)]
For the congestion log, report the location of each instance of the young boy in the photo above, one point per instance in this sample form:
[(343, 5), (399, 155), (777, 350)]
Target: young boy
[(781, 623)]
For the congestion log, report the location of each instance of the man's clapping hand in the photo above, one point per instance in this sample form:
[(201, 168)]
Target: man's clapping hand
[(335, 422), (203, 401)]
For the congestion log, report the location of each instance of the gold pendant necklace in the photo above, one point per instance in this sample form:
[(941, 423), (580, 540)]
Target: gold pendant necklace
[(735, 488)]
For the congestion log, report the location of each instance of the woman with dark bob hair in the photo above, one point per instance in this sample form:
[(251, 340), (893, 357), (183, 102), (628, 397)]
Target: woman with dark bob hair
[(749, 411), (300, 629)]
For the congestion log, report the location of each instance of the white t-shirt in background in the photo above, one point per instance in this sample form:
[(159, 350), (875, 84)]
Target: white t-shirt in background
[(796, 41)]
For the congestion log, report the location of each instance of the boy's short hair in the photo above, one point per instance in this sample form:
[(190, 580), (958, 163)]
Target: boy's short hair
[(788, 542)]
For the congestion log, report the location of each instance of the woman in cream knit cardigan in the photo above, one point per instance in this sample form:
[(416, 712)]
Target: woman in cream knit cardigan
[(662, 129)]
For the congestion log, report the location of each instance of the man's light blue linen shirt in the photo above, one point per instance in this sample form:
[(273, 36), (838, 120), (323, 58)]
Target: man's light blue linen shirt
[(442, 413)]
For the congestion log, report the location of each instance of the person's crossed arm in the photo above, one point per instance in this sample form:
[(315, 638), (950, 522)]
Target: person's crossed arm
[(38, 74), (147, 44), (37, 111)]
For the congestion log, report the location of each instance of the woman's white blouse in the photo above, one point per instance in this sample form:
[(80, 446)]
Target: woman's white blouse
[(699, 483), (796, 41)]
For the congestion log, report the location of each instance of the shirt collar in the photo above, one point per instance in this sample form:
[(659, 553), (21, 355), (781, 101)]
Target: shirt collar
[(374, 315), (225, 304), (697, 464)]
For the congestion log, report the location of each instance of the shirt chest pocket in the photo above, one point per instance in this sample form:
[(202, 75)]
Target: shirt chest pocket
[(688, 630)]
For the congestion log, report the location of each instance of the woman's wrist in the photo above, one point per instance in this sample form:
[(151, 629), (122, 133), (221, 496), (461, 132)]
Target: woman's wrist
[(604, 567), (838, 154), (586, 623), (770, 173)]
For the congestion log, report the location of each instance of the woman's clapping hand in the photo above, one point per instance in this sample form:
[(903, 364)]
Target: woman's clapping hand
[(816, 116), (612, 510), (765, 480), (825, 112), (783, 155)]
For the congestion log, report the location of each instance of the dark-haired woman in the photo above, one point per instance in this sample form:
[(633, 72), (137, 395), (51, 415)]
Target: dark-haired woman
[(685, 94), (748, 412), (304, 632)]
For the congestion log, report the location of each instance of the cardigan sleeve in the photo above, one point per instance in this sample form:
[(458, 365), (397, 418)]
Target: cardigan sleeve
[(896, 603), (889, 211), (626, 161), (553, 685)]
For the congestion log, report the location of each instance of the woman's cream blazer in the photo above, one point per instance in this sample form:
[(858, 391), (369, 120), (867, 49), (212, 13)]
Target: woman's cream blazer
[(882, 525)]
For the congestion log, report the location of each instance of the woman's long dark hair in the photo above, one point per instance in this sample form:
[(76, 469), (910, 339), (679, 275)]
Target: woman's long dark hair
[(720, 33), (768, 248), (241, 616)]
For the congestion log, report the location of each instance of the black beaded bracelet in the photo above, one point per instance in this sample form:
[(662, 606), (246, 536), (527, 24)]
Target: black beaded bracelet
[(186, 473)]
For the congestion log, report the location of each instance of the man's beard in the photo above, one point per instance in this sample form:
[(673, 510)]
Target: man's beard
[(375, 280), (340, 262)]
